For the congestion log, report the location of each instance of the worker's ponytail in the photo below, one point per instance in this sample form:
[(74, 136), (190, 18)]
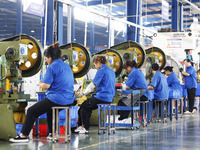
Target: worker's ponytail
[(53, 51)]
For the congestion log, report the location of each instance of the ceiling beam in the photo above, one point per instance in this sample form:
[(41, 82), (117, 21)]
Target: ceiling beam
[(116, 9), (164, 23), (8, 5), (98, 2)]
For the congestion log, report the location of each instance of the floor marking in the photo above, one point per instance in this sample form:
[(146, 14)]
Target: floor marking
[(134, 135)]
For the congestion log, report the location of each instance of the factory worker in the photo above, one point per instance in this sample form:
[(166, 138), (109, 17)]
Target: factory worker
[(59, 82), (159, 84), (172, 79), (190, 84), (135, 81), (105, 82)]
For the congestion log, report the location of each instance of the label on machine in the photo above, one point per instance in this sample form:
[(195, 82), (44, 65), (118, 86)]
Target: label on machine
[(23, 49)]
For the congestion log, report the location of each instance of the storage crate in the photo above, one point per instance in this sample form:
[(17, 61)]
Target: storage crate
[(74, 116), (42, 130), (19, 128)]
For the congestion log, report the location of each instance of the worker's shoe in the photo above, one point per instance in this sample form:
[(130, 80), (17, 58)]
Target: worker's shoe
[(188, 113), (194, 111), (49, 137), (77, 130), (19, 139), (83, 131)]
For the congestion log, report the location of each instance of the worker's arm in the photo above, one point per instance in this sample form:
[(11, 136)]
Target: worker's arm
[(44, 85), (88, 90), (185, 73)]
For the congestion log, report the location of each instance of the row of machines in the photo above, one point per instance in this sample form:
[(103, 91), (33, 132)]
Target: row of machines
[(22, 56)]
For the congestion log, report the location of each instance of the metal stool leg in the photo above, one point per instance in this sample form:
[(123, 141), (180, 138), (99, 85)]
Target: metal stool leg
[(53, 125), (99, 118), (176, 108), (171, 105)]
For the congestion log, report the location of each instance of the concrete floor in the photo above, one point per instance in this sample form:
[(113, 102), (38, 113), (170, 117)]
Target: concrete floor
[(180, 134)]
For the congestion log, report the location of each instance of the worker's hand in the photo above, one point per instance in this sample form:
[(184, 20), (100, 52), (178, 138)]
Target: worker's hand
[(150, 87), (123, 86), (80, 94)]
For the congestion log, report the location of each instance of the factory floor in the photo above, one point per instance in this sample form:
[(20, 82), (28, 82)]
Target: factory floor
[(183, 134)]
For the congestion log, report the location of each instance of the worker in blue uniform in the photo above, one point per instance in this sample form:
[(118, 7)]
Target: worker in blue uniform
[(135, 81), (59, 83), (190, 84), (105, 82), (173, 82), (159, 84)]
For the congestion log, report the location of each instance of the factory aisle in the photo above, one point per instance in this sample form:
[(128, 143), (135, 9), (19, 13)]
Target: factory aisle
[(183, 134)]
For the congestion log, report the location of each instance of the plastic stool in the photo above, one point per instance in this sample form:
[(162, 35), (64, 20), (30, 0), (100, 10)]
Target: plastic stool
[(56, 135), (106, 126), (163, 110)]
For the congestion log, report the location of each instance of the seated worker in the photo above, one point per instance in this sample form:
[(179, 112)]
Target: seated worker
[(159, 84), (59, 82), (172, 80), (135, 81), (105, 92)]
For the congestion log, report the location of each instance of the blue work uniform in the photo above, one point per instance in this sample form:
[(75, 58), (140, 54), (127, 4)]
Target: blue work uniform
[(136, 79), (191, 80), (105, 81), (175, 89), (60, 76), (173, 82), (159, 82)]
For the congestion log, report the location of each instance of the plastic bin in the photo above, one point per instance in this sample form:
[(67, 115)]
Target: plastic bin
[(19, 128), (184, 90), (175, 93), (42, 130), (198, 90), (41, 96), (74, 116)]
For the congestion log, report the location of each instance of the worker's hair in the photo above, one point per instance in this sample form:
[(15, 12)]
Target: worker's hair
[(188, 60), (53, 51), (130, 64), (100, 58), (155, 67), (169, 68)]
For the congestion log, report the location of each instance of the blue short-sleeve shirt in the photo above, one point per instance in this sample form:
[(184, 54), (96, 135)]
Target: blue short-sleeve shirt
[(105, 81), (136, 79), (159, 82), (60, 76), (173, 82), (191, 80)]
